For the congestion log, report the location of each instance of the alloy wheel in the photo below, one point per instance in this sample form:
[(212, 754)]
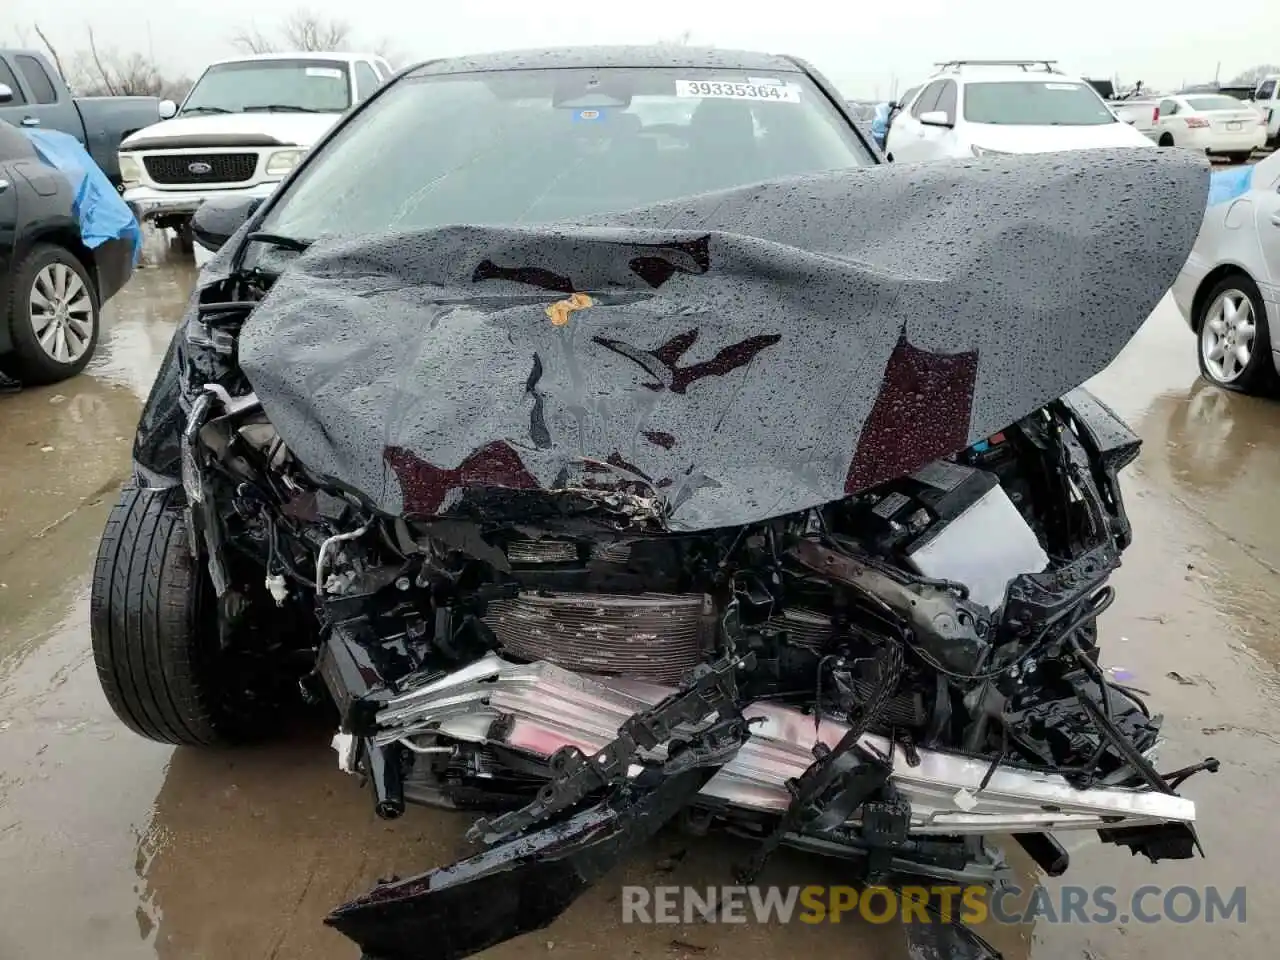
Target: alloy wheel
[(1226, 340), (62, 313)]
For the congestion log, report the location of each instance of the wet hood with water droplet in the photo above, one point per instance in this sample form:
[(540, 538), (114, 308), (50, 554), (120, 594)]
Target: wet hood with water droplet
[(744, 354)]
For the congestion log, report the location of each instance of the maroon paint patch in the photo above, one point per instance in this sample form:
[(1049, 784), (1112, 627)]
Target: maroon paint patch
[(424, 486), (921, 413), (678, 379)]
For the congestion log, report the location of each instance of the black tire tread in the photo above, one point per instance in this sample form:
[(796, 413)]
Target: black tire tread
[(144, 623)]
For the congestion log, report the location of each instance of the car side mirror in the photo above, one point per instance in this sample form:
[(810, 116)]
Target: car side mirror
[(936, 118), (168, 109), (215, 220), (6, 93)]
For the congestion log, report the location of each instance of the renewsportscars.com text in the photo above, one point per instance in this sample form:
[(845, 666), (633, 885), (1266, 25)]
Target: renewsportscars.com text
[(970, 905)]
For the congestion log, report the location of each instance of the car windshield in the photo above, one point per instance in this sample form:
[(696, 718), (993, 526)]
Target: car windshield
[(1035, 103), (1210, 104), (286, 86), (531, 146)]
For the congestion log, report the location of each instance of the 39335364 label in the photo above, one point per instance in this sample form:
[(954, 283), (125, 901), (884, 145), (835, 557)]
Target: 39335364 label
[(739, 90)]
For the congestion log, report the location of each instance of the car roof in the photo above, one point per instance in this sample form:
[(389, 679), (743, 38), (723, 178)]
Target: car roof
[(655, 55), (1007, 75), (300, 55)]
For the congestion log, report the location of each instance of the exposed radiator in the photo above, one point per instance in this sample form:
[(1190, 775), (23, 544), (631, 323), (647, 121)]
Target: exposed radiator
[(648, 636), (530, 552), (542, 551), (805, 627)]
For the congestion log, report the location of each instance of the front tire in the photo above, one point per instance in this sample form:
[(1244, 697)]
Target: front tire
[(154, 629), (1166, 140), (1233, 344), (1238, 158), (53, 314)]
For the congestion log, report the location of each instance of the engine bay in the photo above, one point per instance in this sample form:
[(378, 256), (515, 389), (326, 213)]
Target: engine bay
[(891, 678)]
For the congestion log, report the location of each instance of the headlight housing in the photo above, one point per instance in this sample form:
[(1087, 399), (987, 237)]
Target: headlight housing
[(130, 169), (282, 161)]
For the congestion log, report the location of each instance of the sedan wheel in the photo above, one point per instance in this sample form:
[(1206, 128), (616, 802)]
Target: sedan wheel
[(53, 315), (1235, 349), (63, 315)]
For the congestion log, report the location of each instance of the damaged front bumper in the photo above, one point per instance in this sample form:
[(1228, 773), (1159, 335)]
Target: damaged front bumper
[(538, 708), (536, 711)]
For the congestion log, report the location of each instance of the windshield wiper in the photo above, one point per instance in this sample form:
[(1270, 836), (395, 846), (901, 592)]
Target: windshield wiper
[(206, 110), (280, 108), (278, 240)]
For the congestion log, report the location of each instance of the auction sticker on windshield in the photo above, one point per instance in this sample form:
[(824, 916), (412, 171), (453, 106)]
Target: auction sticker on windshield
[(736, 90), (333, 73)]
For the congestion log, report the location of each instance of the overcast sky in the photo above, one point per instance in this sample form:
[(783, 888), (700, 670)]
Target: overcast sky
[(862, 47)]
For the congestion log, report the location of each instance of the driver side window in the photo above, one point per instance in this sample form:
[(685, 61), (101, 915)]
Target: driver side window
[(928, 100), (1267, 90), (947, 101)]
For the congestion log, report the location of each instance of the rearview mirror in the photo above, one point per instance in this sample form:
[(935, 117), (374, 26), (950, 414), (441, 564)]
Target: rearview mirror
[(6, 93), (936, 118), (168, 109), (215, 220)]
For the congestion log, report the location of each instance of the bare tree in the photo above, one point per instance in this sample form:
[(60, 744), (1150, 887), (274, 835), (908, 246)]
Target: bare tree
[(53, 52), (253, 40), (1254, 75), (682, 39), (303, 30), (21, 39), (103, 74), (97, 72)]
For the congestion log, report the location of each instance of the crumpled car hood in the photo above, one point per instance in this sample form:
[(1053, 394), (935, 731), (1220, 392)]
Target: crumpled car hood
[(743, 354)]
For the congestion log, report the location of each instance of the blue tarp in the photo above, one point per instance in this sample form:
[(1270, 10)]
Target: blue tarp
[(880, 123), (1226, 185), (102, 214)]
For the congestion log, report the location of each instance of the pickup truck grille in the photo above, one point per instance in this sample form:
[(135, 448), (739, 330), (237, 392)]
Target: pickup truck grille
[(209, 167)]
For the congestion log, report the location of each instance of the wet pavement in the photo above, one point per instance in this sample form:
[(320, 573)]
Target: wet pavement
[(115, 847)]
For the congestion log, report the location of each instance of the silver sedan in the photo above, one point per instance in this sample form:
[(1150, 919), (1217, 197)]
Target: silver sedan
[(1229, 290)]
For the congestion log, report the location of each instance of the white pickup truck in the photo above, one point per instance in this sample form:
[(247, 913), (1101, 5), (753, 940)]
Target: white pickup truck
[(1267, 99), (244, 125)]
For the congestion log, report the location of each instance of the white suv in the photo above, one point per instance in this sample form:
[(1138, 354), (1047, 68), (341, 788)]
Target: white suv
[(976, 107)]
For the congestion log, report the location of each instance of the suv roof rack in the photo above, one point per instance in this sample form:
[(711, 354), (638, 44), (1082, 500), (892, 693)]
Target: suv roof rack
[(1049, 66)]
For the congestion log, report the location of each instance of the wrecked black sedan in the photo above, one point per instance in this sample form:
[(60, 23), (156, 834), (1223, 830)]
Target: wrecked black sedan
[(613, 442)]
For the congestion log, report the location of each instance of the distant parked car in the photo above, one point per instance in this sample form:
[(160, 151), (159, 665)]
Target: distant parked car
[(975, 107), (55, 275), (1214, 123), (33, 95), (1229, 290)]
